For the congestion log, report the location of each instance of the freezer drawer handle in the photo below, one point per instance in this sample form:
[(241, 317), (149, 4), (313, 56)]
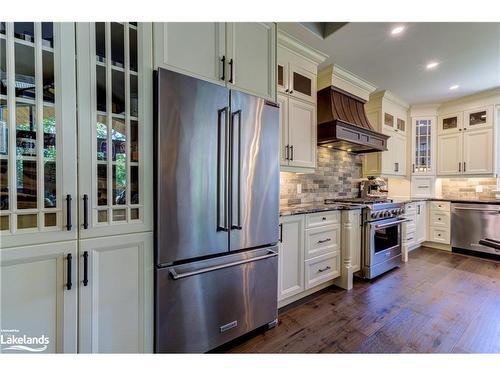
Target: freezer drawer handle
[(177, 276)]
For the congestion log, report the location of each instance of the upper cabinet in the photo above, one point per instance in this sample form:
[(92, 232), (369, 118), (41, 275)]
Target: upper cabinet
[(297, 67), (387, 114), (450, 123), (423, 146), (37, 133), (240, 55), (478, 118)]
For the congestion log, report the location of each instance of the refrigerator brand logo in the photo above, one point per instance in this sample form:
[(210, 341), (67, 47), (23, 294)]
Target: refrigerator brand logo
[(12, 341)]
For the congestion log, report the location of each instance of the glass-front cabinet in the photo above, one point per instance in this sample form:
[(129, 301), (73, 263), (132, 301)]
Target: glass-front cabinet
[(37, 133), (450, 123), (115, 69), (423, 158), (478, 118)]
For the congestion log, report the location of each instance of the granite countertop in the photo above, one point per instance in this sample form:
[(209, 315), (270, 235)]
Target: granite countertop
[(452, 200), (308, 208)]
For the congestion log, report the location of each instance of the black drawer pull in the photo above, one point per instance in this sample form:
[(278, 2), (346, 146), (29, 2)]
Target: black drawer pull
[(69, 259), (324, 269), (281, 232), (68, 212), (85, 268), (85, 211), (325, 240)]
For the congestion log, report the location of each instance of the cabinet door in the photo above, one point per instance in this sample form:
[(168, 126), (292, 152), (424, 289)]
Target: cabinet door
[(37, 133), (36, 298), (478, 152), (115, 128), (291, 257), (400, 155), (193, 48), (451, 123), (421, 222), (302, 83), (116, 305), (388, 158), (422, 146), (302, 133), (478, 118), (284, 146), (251, 53), (450, 154), (282, 75)]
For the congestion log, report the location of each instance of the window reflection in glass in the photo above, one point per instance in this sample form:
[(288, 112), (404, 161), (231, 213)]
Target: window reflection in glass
[(119, 138), (134, 184), (101, 88), (24, 31), (25, 129), (118, 90), (3, 68), (102, 185), (477, 118), (4, 128), (25, 71), (100, 41), (48, 76), (134, 141), (133, 49), (2, 28), (119, 183), (27, 221), (4, 184), (102, 137), (117, 45), (48, 34), (49, 153), (134, 97), (26, 184)]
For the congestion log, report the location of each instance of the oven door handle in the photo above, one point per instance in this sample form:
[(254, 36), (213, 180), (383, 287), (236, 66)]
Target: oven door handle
[(381, 226)]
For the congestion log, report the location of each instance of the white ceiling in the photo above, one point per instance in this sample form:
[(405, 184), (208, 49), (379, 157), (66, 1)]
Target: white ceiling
[(468, 53)]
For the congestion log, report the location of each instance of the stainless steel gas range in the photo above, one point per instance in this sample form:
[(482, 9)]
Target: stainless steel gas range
[(382, 235)]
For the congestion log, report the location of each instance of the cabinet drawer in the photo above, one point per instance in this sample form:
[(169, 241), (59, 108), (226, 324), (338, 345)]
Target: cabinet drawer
[(322, 218), (440, 206), (440, 234), (321, 269), (422, 186), (322, 240), (439, 219)]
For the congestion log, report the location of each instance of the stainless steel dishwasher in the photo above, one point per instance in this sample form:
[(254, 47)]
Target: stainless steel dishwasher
[(475, 227)]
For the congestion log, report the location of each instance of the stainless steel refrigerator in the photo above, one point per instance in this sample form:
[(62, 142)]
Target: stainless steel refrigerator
[(216, 214)]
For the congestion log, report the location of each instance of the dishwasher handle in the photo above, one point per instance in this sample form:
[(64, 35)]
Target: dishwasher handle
[(177, 276), (477, 209), (489, 242)]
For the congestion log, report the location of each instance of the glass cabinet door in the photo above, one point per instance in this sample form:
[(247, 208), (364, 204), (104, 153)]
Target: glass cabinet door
[(451, 123), (422, 158), (478, 118), (37, 159), (118, 121), (302, 83)]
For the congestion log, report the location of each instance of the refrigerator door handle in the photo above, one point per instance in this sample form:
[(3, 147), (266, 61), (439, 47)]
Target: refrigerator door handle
[(238, 180), (222, 170), (176, 276)]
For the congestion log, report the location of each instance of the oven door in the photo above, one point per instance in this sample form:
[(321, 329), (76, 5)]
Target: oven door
[(385, 240)]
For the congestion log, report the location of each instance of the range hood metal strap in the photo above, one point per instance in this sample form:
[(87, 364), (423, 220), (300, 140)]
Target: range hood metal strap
[(177, 276)]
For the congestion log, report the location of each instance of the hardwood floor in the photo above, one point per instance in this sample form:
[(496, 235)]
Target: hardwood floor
[(436, 303)]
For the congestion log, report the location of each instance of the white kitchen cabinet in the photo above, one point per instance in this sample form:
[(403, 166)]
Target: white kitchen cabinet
[(450, 154), (450, 123), (251, 54), (115, 128), (240, 55), (38, 295), (439, 222), (38, 134), (423, 146), (284, 143), (478, 118), (291, 257), (301, 133), (421, 222), (422, 186), (116, 304), (478, 152), (192, 48)]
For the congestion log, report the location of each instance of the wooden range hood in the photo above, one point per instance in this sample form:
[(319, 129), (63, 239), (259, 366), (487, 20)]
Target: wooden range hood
[(343, 125)]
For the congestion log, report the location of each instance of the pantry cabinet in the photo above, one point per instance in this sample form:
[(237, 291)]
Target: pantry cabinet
[(240, 55), (39, 291), (423, 146), (116, 294)]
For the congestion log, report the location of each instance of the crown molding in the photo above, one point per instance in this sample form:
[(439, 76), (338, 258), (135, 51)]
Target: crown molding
[(335, 75), (387, 95), (295, 45), (472, 97)]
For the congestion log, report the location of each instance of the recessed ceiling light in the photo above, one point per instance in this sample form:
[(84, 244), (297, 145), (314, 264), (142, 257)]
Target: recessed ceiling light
[(432, 65), (397, 30), (329, 146), (454, 87)]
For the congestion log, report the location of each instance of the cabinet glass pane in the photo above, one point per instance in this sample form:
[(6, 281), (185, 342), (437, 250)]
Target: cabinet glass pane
[(134, 97), (450, 123), (401, 124), (118, 92), (3, 68), (280, 75), (119, 183), (48, 34), (117, 45), (25, 129), (4, 222), (102, 184), (101, 88), (25, 71), (389, 120), (133, 49), (24, 31), (4, 184), (119, 215), (102, 137), (49, 153), (50, 219), (2, 27), (4, 128), (302, 84), (48, 76), (134, 141), (26, 184), (134, 184), (477, 118), (27, 221), (100, 41), (102, 216), (119, 138), (134, 214)]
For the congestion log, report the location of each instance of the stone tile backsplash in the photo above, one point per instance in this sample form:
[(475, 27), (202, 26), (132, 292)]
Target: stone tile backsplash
[(465, 188), (337, 175)]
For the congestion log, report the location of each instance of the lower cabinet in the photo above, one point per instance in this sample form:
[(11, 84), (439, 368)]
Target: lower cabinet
[(415, 229), (116, 294), (421, 222), (38, 297), (439, 222)]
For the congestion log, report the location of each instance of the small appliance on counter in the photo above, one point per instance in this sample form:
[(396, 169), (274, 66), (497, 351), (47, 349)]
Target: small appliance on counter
[(373, 187)]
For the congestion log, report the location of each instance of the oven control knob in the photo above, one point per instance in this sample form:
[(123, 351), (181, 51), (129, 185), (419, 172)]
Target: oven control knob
[(387, 214), (394, 212), (373, 215)]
